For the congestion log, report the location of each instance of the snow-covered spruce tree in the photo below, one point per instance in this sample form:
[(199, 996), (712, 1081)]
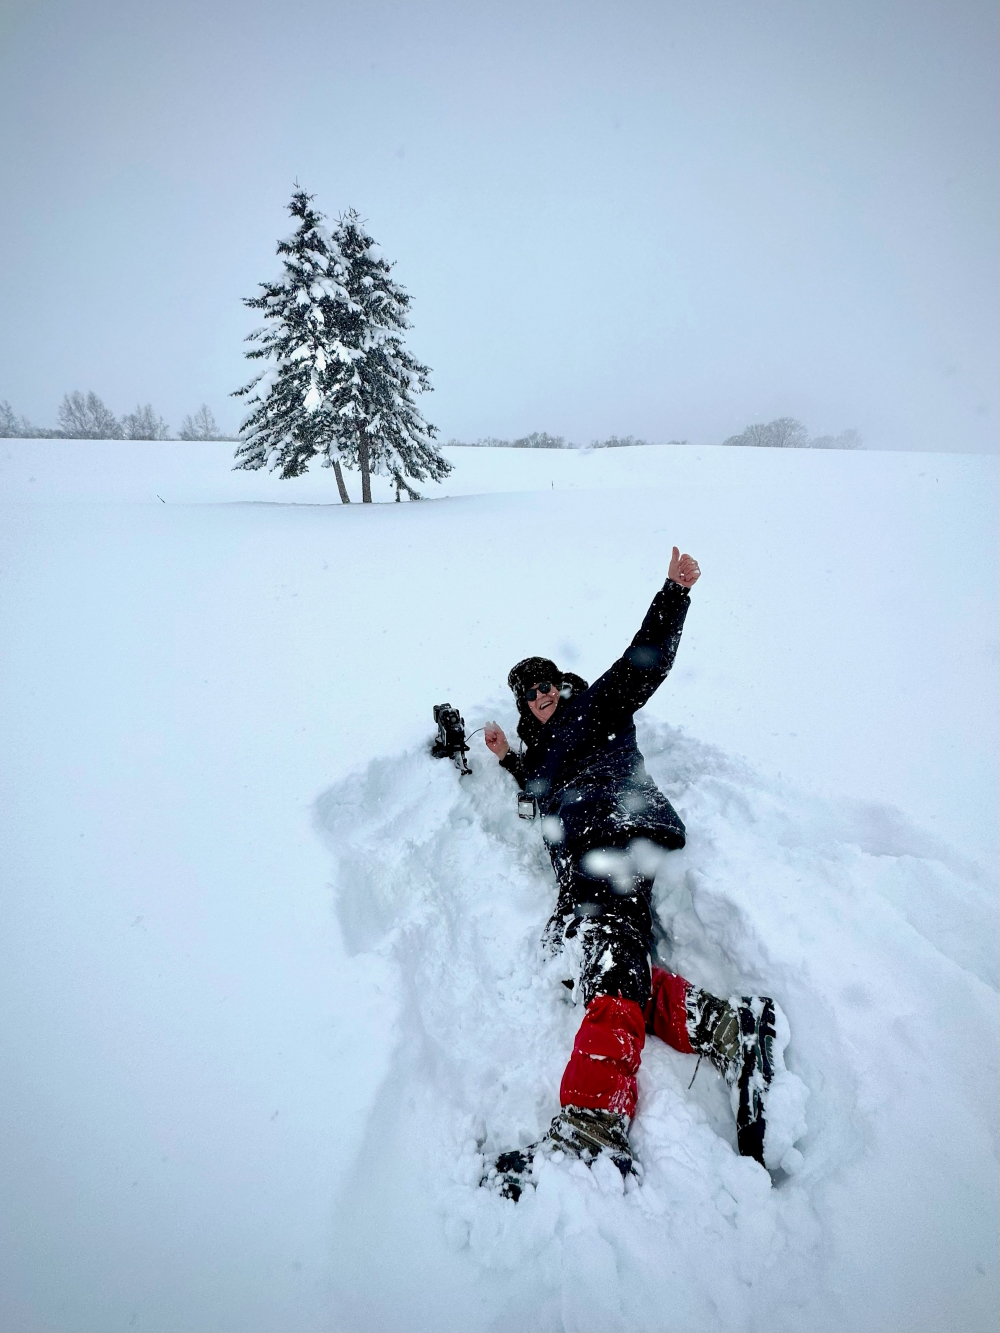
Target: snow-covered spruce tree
[(372, 393), (291, 419)]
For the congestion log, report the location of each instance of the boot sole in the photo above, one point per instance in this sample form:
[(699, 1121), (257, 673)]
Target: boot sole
[(749, 1093)]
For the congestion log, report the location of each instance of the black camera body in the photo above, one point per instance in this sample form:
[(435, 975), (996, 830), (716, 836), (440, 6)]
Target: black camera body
[(450, 742)]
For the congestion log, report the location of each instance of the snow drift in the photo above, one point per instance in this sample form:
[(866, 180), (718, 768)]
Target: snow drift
[(878, 946)]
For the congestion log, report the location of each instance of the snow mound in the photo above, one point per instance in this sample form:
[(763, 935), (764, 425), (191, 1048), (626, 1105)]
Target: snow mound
[(878, 944)]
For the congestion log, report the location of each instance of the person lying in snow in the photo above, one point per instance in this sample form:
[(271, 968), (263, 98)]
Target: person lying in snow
[(600, 813)]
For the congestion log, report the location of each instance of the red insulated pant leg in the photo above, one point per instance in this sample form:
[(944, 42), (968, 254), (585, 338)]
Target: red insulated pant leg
[(666, 1011), (606, 1054)]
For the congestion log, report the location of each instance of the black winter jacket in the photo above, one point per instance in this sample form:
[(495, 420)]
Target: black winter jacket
[(584, 767)]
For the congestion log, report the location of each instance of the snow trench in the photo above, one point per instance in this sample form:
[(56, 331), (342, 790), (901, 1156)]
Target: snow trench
[(879, 944)]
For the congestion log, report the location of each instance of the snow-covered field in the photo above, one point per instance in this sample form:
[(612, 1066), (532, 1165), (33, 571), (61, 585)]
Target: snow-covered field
[(268, 974)]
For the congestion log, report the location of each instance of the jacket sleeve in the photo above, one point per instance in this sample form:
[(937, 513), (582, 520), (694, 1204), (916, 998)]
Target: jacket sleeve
[(514, 765), (642, 668)]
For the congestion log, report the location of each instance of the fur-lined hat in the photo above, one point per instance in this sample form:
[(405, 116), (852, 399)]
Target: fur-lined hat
[(531, 671)]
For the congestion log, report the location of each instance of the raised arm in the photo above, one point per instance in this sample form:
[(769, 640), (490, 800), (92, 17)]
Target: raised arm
[(631, 681)]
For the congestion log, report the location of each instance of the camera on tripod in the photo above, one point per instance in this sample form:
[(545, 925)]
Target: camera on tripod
[(450, 742)]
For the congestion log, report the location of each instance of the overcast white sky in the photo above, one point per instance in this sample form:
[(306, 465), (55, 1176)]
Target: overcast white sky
[(668, 219)]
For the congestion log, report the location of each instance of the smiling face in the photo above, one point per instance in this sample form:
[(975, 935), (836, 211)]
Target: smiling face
[(544, 705)]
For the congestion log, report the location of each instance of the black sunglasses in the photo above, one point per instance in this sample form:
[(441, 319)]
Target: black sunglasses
[(543, 687)]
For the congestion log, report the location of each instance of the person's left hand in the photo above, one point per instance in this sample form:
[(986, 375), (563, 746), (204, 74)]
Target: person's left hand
[(683, 569)]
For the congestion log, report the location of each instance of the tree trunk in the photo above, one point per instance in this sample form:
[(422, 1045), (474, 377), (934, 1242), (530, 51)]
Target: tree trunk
[(366, 478), (344, 497)]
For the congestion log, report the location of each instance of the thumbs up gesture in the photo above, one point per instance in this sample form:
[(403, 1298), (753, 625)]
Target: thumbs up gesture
[(683, 569)]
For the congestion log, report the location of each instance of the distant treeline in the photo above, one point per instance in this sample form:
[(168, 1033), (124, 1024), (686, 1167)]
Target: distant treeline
[(542, 440), (787, 433), (86, 417), (783, 433)]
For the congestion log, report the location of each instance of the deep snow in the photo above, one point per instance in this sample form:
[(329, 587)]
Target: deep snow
[(269, 975)]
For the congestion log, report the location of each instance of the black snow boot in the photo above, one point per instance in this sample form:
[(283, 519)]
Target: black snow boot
[(577, 1131), (738, 1036)]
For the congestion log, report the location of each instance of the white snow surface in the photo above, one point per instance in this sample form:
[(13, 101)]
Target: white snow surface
[(269, 974)]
